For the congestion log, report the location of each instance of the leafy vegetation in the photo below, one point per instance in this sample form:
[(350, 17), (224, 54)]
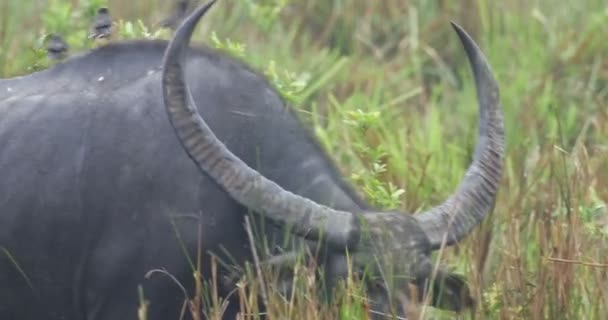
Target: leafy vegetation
[(388, 92)]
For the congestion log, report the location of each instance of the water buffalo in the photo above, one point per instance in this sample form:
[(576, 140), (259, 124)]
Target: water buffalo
[(108, 171)]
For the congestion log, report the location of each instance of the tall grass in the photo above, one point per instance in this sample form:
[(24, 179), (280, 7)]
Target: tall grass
[(387, 89)]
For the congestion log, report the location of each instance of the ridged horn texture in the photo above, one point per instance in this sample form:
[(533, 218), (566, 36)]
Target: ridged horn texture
[(338, 229), (453, 220)]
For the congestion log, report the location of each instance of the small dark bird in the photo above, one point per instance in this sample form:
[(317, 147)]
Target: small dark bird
[(180, 11), (56, 47), (102, 26)]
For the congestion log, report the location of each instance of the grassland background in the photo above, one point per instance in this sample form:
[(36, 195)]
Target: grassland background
[(388, 91)]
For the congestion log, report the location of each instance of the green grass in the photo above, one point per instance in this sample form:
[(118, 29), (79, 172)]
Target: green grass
[(388, 91)]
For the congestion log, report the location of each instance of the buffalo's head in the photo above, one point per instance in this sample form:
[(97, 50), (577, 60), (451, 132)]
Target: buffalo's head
[(383, 243)]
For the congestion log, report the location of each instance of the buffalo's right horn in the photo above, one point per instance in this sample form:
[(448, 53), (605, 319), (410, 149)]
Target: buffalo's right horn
[(339, 229)]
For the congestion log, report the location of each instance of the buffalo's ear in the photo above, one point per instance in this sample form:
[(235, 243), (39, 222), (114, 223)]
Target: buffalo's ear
[(449, 291)]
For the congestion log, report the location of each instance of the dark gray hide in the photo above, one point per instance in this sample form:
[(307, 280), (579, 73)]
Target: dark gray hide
[(92, 172), (94, 180)]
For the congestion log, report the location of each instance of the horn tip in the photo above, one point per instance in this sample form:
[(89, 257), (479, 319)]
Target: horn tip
[(182, 36), (455, 25), (476, 56), (464, 36)]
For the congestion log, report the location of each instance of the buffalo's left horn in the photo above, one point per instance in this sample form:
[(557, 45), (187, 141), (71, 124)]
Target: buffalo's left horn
[(475, 197)]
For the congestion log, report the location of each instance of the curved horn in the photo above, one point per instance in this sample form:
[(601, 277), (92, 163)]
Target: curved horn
[(339, 229), (476, 195)]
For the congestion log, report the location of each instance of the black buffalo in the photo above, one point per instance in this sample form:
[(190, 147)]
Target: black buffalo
[(107, 166)]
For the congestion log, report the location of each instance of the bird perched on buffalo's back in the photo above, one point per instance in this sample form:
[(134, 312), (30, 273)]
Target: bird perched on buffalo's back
[(56, 47), (180, 11), (102, 25)]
